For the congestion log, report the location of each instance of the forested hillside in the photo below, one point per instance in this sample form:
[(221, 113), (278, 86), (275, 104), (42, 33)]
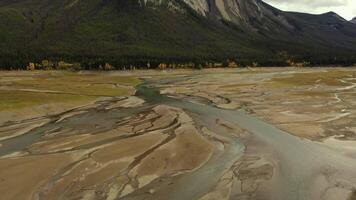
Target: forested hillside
[(126, 33)]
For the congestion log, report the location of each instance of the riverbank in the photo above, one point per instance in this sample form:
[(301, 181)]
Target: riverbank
[(312, 103), (211, 134), (26, 95)]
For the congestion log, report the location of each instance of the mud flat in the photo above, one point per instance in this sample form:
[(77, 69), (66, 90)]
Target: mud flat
[(25, 95), (278, 133), (312, 103)]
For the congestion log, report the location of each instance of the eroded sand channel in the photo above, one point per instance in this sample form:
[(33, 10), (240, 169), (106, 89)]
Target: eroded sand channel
[(168, 148)]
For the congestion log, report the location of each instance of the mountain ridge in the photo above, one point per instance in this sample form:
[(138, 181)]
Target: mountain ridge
[(169, 30)]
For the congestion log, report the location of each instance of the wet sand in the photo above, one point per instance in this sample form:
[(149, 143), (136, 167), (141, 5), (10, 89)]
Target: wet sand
[(192, 136)]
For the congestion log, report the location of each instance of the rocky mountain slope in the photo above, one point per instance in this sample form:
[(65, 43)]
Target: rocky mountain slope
[(170, 30), (353, 20), (253, 14)]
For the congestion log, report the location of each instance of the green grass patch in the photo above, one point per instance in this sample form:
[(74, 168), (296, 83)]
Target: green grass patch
[(63, 87), (314, 94), (330, 78), (14, 100)]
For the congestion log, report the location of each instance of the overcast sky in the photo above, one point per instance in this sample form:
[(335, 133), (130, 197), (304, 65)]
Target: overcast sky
[(345, 8)]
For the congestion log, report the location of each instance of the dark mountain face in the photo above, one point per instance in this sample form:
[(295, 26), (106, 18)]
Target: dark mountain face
[(169, 29), (353, 20)]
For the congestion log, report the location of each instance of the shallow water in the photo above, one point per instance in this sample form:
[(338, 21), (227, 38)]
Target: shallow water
[(94, 120), (303, 169)]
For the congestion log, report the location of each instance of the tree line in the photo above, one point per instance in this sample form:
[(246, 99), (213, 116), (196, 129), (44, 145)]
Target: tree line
[(64, 62)]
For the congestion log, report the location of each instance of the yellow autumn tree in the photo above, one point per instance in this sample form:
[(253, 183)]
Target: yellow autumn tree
[(232, 64), (31, 66), (108, 66), (162, 66)]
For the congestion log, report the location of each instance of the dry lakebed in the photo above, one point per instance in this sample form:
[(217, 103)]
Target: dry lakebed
[(214, 134)]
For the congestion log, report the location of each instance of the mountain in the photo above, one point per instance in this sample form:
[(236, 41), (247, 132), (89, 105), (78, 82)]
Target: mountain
[(353, 20), (249, 15), (169, 30)]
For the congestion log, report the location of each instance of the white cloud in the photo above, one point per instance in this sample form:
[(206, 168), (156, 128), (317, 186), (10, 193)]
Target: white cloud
[(345, 8)]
